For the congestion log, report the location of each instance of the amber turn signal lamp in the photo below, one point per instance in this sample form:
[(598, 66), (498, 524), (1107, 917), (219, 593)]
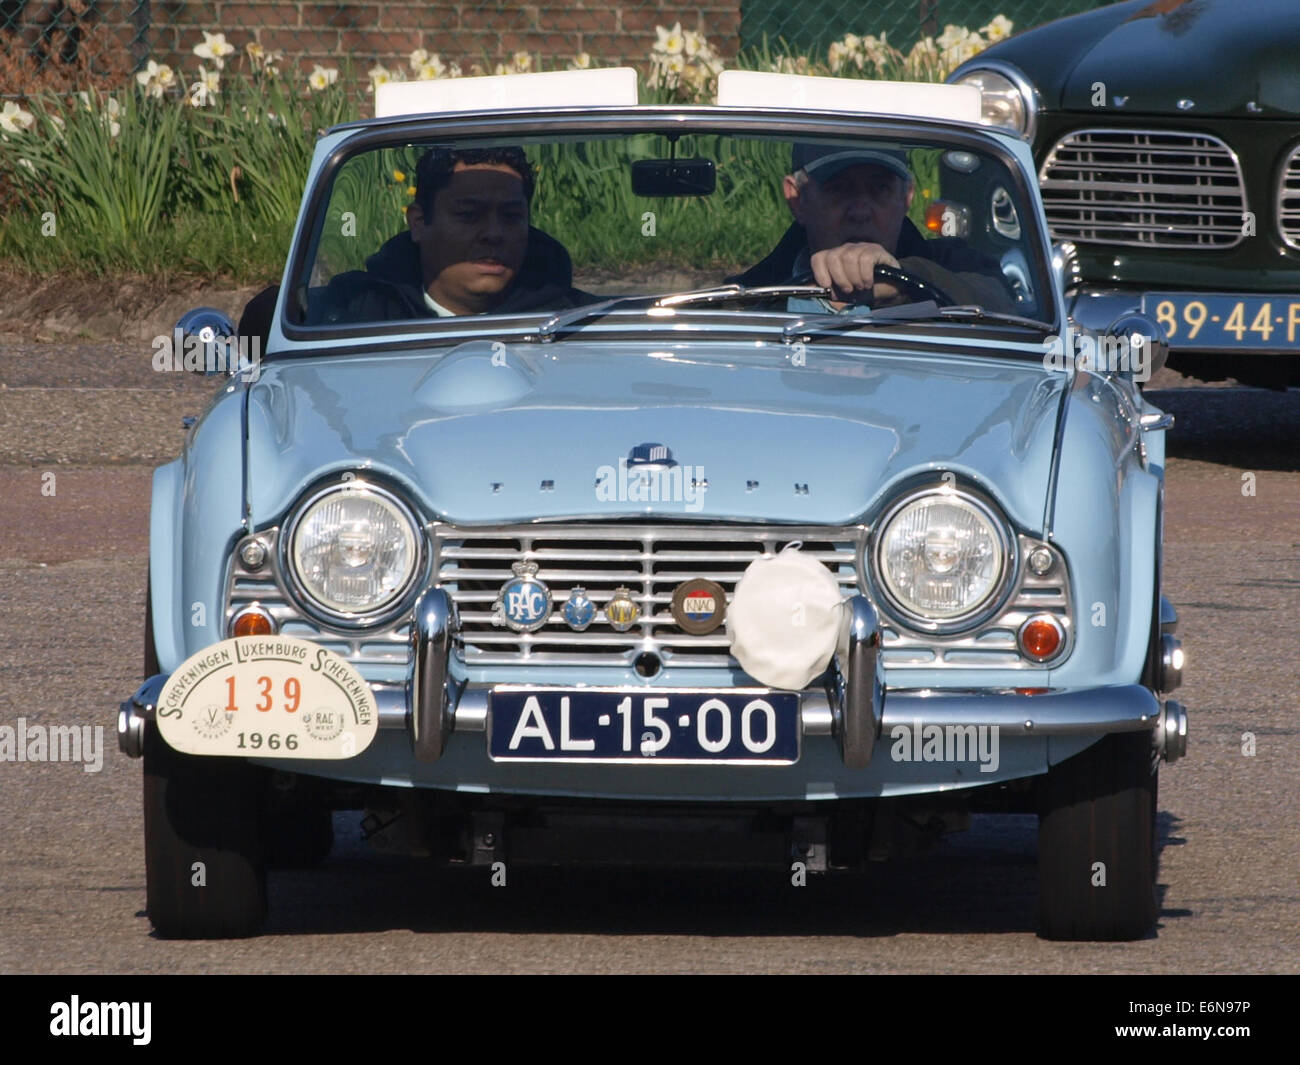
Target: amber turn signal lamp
[(1041, 637), (934, 215), (252, 621)]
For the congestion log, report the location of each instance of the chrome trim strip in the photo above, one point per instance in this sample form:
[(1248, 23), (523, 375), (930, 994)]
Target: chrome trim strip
[(431, 638), (1063, 712), (863, 707), (1068, 712)]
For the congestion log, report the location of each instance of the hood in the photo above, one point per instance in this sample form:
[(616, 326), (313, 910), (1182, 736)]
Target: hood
[(475, 441), (1220, 54)]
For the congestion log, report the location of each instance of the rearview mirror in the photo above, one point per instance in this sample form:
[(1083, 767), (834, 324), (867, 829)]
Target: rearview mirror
[(674, 177)]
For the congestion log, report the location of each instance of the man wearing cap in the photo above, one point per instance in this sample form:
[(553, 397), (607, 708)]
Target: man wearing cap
[(850, 209)]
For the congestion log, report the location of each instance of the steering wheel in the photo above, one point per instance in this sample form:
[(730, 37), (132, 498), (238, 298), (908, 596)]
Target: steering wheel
[(922, 288)]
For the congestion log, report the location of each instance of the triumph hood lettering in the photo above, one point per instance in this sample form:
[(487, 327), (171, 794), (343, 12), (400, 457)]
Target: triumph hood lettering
[(845, 424)]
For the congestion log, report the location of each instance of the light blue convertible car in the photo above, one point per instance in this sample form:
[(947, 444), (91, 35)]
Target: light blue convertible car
[(608, 481)]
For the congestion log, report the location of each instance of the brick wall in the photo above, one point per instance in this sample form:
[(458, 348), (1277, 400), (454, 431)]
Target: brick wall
[(370, 31)]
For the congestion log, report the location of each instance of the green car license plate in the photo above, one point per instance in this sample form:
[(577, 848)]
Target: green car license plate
[(1226, 322)]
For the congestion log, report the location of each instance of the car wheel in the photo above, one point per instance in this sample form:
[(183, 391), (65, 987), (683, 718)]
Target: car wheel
[(205, 877), (1096, 854)]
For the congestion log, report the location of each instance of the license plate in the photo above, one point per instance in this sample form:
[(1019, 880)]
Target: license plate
[(1223, 322), (736, 727)]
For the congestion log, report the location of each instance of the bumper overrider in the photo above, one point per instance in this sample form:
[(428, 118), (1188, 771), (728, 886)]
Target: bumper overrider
[(855, 709)]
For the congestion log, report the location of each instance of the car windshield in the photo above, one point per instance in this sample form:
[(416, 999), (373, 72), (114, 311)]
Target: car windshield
[(552, 224)]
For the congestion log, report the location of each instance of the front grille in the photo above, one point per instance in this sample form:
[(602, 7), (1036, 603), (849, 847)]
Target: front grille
[(1288, 199), (1144, 188), (649, 560)]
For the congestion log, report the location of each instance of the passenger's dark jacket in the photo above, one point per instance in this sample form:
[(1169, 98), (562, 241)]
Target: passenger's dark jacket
[(968, 276), (390, 288)]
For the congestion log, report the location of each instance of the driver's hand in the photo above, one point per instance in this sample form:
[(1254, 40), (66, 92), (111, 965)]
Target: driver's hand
[(849, 272)]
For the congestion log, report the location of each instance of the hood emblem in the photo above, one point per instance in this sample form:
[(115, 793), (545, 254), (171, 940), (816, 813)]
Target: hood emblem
[(524, 602), (622, 611), (579, 611), (1185, 104), (699, 606), (1120, 101), (651, 457)]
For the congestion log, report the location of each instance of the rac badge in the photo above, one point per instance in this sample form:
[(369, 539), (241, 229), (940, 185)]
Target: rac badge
[(622, 610), (699, 605), (524, 602)]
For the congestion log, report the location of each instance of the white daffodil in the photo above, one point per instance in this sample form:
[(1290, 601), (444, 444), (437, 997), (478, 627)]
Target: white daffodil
[(999, 29), (874, 49), (670, 41), (111, 110), (836, 54), (13, 119), (27, 164), (322, 77), (694, 43), (204, 91), (418, 58), (214, 47), (581, 61), (379, 75), (501, 69), (454, 71), (431, 69), (156, 78), (522, 62)]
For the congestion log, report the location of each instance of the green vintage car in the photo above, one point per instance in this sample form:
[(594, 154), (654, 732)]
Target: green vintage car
[(1167, 139)]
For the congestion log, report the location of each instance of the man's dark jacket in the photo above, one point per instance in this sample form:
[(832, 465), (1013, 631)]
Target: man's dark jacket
[(390, 288), (978, 279)]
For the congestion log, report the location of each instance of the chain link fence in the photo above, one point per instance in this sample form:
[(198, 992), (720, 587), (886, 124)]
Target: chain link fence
[(73, 44)]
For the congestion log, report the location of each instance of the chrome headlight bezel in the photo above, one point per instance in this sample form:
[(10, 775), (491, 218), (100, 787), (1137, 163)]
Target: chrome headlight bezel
[(1000, 590), (1015, 78), (392, 607)]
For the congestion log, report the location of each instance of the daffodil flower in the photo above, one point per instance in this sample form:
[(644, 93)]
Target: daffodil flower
[(215, 47), (322, 77), (13, 119)]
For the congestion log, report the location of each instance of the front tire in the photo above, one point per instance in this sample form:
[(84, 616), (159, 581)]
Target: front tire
[(205, 873), (1096, 842)]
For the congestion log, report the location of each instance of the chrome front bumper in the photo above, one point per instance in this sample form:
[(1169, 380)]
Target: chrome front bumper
[(855, 710)]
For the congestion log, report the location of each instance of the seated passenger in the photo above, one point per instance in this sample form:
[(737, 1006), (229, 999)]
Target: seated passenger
[(850, 208), (468, 249)]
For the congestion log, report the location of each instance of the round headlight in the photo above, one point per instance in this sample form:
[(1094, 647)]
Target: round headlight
[(1005, 103), (941, 557), (353, 550)]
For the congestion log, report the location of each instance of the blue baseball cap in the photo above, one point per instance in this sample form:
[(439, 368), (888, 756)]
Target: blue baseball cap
[(825, 161)]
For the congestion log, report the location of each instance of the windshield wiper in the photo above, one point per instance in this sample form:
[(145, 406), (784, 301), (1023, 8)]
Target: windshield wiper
[(557, 323), (912, 312)]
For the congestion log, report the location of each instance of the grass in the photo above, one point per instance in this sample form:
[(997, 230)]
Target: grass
[(139, 185)]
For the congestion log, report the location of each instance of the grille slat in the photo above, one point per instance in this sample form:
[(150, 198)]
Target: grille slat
[(1193, 195)]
